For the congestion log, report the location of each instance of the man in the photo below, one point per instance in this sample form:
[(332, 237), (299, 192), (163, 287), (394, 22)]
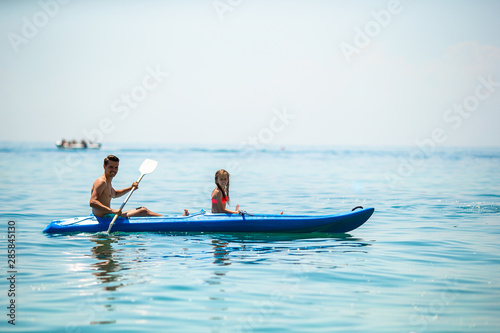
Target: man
[(102, 192)]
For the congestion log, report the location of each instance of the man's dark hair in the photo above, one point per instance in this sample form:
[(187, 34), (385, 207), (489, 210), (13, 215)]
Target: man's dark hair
[(112, 158)]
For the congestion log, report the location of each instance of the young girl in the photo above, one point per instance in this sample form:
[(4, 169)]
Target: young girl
[(220, 195)]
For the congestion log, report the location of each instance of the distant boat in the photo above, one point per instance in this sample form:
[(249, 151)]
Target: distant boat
[(77, 145)]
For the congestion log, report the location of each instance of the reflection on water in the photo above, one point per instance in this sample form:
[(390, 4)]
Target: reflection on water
[(221, 258), (114, 255), (120, 263), (221, 254), (113, 261), (107, 268)]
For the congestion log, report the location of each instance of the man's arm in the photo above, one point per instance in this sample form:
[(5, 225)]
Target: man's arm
[(119, 193)]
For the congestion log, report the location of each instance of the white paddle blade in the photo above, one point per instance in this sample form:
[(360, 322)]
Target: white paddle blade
[(148, 166)]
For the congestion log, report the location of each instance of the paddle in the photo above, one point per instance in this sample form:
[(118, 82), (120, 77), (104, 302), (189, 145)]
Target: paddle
[(147, 166)]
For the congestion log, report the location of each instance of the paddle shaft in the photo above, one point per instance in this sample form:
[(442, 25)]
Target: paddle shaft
[(124, 202)]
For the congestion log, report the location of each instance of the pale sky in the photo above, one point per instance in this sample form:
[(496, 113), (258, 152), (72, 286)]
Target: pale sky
[(361, 73)]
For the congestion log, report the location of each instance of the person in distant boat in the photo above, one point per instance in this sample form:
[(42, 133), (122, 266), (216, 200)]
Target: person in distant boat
[(220, 195), (102, 192)]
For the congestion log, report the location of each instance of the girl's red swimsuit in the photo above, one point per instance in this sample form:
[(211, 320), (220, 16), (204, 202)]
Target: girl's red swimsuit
[(224, 200)]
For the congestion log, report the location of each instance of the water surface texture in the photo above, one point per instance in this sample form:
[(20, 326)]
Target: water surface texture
[(428, 260)]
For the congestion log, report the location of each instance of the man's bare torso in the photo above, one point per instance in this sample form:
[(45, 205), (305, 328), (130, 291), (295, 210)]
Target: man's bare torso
[(105, 196)]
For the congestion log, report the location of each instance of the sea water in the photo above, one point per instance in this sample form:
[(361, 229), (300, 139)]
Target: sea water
[(428, 260)]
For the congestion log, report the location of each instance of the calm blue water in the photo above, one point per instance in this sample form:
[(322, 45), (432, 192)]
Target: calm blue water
[(427, 261)]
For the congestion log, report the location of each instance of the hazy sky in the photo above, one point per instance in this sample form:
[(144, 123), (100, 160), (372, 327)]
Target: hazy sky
[(251, 71)]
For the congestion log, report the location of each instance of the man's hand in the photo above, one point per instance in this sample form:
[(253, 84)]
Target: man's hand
[(117, 212), (135, 185)]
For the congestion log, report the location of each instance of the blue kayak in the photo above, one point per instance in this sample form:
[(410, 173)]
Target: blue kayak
[(207, 222)]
